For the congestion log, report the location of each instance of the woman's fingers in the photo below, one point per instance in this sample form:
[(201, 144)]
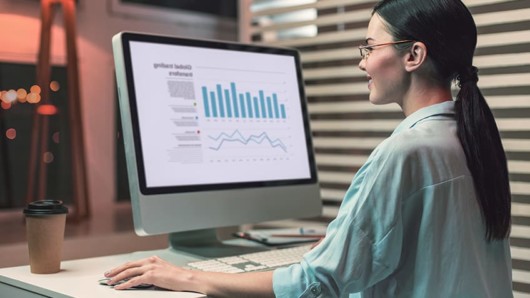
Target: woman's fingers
[(134, 273), (133, 282), (123, 267), (130, 274)]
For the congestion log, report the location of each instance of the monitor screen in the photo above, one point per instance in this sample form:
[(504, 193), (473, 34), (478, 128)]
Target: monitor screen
[(215, 133)]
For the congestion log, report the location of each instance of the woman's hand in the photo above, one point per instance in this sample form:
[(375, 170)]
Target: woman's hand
[(152, 270), (157, 272)]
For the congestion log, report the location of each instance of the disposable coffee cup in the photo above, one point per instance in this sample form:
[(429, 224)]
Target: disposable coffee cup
[(45, 222)]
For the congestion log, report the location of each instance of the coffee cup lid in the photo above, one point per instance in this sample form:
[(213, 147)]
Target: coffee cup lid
[(45, 207)]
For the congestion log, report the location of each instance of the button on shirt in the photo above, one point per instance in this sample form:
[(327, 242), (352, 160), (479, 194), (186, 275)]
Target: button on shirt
[(409, 225)]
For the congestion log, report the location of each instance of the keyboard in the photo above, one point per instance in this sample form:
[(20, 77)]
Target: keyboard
[(259, 261)]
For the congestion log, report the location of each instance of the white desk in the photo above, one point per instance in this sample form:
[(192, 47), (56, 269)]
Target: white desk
[(79, 278)]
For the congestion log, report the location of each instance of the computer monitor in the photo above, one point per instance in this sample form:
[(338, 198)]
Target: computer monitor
[(216, 133)]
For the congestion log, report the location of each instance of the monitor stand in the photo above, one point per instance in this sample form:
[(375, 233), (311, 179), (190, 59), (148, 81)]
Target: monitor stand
[(205, 243)]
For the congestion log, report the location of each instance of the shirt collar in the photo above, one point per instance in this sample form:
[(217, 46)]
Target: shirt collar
[(445, 108)]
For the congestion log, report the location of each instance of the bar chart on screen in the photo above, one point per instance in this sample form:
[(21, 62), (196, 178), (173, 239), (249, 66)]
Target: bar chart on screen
[(223, 101)]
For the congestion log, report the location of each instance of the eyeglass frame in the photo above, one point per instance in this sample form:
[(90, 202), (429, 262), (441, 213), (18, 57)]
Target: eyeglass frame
[(367, 49)]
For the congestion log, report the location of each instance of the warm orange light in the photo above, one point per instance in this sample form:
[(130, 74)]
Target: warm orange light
[(54, 86), (33, 97), (35, 89), (8, 96), (11, 133), (47, 110), (21, 94), (5, 105)]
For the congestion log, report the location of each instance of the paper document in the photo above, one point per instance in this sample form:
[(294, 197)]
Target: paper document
[(283, 236)]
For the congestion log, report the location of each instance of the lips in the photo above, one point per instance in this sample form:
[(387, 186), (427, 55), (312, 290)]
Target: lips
[(369, 81)]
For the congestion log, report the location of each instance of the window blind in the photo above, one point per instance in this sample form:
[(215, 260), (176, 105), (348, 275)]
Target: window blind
[(346, 127)]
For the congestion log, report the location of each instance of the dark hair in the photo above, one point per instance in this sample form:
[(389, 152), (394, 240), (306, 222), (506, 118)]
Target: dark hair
[(447, 29)]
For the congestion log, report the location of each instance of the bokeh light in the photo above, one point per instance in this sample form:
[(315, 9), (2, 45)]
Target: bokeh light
[(11, 95), (35, 89), (5, 105), (11, 133), (47, 110), (56, 137), (21, 94), (3, 96), (48, 157), (54, 86), (33, 97)]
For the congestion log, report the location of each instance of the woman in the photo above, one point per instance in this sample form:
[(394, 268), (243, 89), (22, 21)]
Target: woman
[(429, 213)]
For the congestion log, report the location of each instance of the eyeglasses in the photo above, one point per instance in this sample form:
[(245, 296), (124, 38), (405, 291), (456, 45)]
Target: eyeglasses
[(367, 49)]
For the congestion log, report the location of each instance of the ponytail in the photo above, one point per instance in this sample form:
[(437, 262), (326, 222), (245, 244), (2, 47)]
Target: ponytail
[(485, 156)]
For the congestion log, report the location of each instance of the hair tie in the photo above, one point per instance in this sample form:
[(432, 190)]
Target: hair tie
[(470, 75)]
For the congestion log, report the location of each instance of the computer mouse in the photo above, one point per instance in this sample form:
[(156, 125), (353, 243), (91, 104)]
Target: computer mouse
[(104, 281)]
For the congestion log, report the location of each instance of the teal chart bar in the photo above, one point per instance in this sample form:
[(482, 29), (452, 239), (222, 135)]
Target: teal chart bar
[(205, 102), (228, 102)]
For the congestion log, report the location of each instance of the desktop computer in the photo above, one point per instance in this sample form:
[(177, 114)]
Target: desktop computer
[(216, 134)]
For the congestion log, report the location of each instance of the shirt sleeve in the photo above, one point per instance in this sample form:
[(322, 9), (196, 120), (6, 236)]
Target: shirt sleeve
[(363, 244)]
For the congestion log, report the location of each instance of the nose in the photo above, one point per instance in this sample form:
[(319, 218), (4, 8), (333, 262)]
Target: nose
[(362, 65)]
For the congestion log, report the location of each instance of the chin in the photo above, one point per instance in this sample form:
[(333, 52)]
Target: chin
[(376, 101), (380, 100)]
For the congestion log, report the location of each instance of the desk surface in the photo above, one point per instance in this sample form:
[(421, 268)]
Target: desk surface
[(79, 278)]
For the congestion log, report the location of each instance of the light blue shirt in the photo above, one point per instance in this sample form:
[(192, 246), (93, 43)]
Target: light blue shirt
[(409, 225)]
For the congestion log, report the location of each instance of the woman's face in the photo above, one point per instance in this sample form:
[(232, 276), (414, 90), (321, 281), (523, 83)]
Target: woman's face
[(387, 79)]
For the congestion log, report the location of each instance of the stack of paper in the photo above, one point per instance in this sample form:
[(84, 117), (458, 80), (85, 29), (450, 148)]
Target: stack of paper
[(283, 236)]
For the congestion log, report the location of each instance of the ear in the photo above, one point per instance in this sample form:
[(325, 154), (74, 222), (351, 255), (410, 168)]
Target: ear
[(415, 57)]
